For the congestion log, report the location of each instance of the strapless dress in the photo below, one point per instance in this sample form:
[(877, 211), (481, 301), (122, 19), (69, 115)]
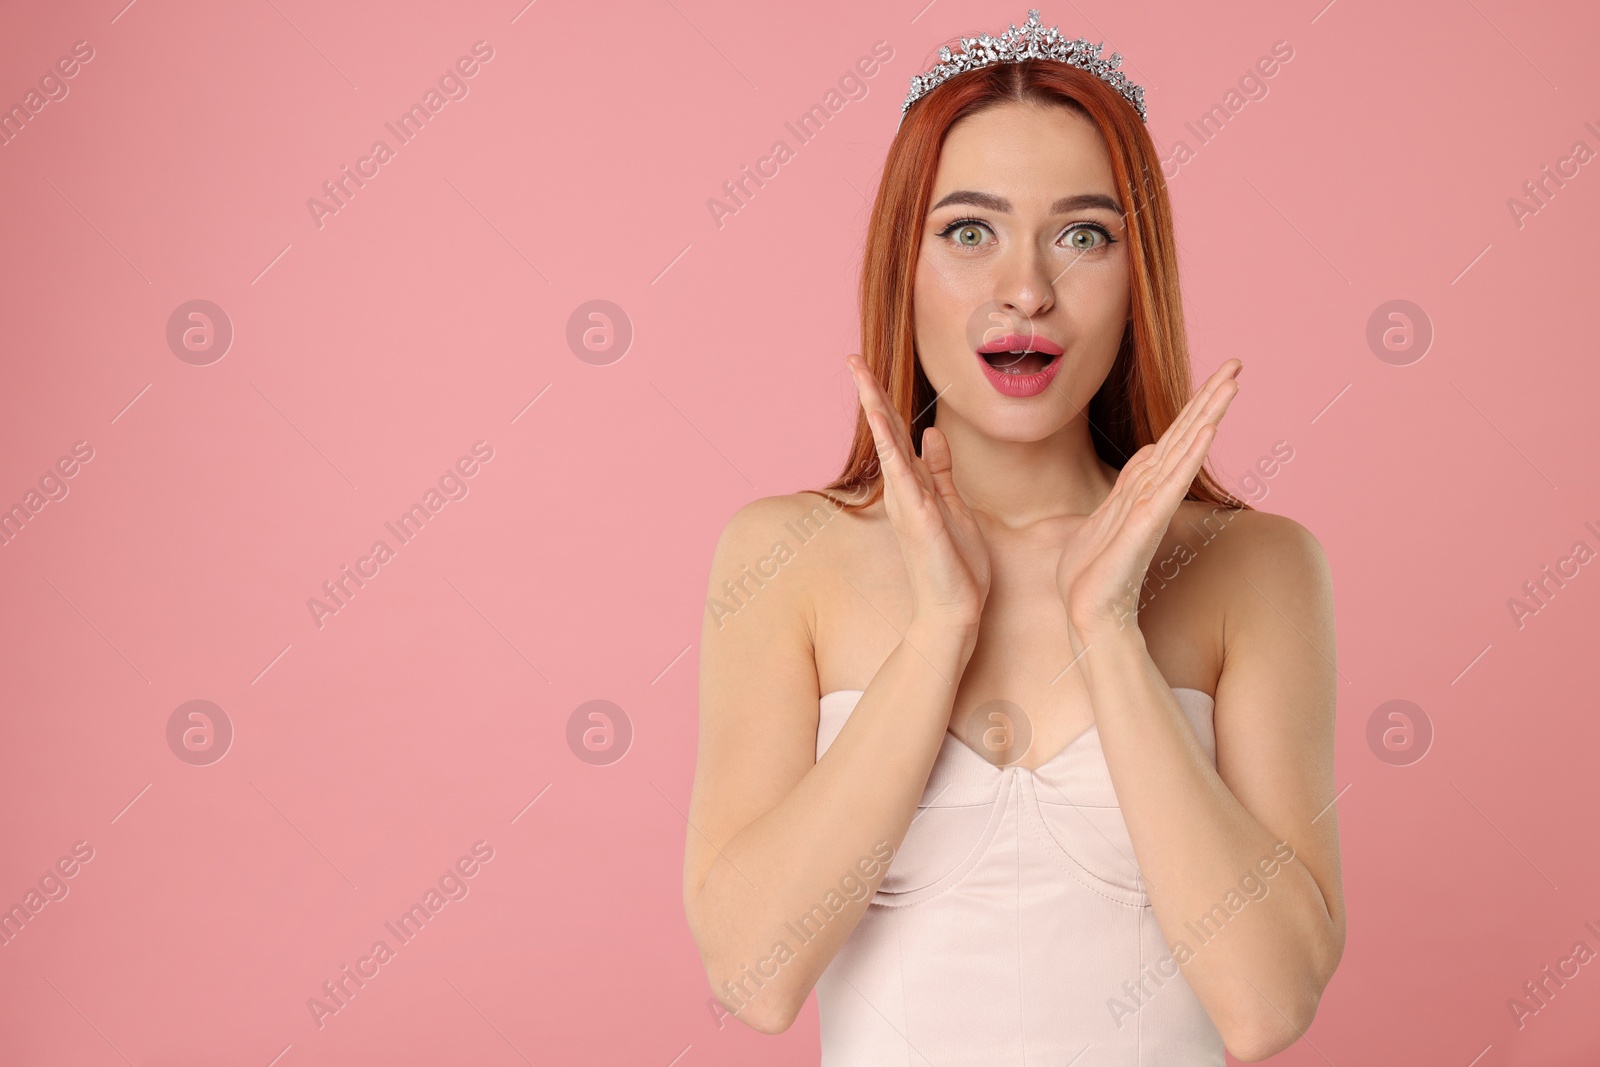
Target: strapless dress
[(1012, 923)]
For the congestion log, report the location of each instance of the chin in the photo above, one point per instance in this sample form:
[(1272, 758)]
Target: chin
[(1005, 420)]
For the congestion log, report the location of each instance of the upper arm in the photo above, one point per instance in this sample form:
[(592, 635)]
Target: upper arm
[(1277, 691), (758, 679)]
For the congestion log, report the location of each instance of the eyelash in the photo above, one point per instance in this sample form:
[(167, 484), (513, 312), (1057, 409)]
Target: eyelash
[(1101, 230)]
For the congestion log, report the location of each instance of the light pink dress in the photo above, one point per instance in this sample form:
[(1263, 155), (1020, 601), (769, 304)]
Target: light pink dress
[(1012, 921)]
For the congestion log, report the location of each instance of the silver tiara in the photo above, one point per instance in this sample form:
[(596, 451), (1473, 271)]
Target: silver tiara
[(1032, 41)]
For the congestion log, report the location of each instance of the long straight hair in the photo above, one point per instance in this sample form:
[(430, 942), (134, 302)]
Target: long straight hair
[(1149, 382)]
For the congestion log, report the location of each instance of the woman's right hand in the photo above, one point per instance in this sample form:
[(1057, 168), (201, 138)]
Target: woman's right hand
[(946, 558)]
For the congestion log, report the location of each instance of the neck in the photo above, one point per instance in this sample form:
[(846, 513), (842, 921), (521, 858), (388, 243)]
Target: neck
[(1019, 483)]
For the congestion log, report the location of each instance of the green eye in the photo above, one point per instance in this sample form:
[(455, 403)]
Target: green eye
[(968, 233), (1081, 238)]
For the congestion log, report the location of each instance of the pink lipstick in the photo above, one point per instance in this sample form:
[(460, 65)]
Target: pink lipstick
[(1018, 365)]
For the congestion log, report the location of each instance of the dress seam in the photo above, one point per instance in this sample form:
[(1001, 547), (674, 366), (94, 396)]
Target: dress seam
[(960, 872), (1138, 1020), (1052, 847), (905, 1014), (1022, 1006)]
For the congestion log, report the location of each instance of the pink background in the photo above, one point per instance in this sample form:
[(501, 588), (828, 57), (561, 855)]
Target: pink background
[(371, 352)]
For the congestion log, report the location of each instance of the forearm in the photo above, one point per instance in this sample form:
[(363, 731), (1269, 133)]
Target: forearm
[(788, 864), (1261, 975)]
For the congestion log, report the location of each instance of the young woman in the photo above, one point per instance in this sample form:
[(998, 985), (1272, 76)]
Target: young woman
[(1018, 748)]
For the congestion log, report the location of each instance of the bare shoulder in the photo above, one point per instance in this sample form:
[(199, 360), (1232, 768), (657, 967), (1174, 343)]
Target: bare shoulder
[(1239, 544), (1270, 558), (770, 572), (767, 521), (1277, 691), (1221, 576), (773, 549)]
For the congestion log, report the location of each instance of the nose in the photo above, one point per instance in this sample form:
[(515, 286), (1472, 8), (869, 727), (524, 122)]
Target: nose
[(1024, 284)]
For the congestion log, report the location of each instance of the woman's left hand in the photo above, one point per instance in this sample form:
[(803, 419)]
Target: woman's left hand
[(1104, 562)]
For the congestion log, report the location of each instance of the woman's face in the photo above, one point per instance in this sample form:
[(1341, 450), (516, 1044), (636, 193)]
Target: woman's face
[(1023, 250)]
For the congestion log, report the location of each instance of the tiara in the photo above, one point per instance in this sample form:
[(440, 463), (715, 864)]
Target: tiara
[(1033, 41)]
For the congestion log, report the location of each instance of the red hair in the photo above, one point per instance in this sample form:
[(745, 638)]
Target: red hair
[(1149, 382)]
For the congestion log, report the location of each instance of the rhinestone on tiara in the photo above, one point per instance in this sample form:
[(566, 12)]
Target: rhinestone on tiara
[(1032, 41)]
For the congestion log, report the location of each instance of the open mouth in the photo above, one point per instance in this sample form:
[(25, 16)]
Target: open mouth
[(1018, 363)]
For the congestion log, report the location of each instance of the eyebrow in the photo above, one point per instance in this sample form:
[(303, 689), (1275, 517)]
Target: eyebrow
[(1001, 204)]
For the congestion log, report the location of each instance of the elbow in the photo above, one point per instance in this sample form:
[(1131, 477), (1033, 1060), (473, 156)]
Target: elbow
[(766, 1001), (1260, 1028), (767, 1004), (1258, 1044), (767, 1010), (1266, 1030), (767, 1018), (1331, 952)]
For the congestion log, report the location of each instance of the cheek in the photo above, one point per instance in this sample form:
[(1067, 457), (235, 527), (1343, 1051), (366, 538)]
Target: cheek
[(1096, 293), (935, 286), (936, 311)]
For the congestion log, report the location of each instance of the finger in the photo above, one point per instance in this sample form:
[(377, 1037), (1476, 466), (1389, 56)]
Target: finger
[(1147, 505), (1169, 481), (1171, 490), (1130, 472), (1138, 477), (1160, 473), (868, 388), (1166, 492), (898, 477), (1128, 492), (1208, 405), (936, 454), (1198, 404), (1102, 524), (1211, 415), (873, 398), (1123, 491)]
